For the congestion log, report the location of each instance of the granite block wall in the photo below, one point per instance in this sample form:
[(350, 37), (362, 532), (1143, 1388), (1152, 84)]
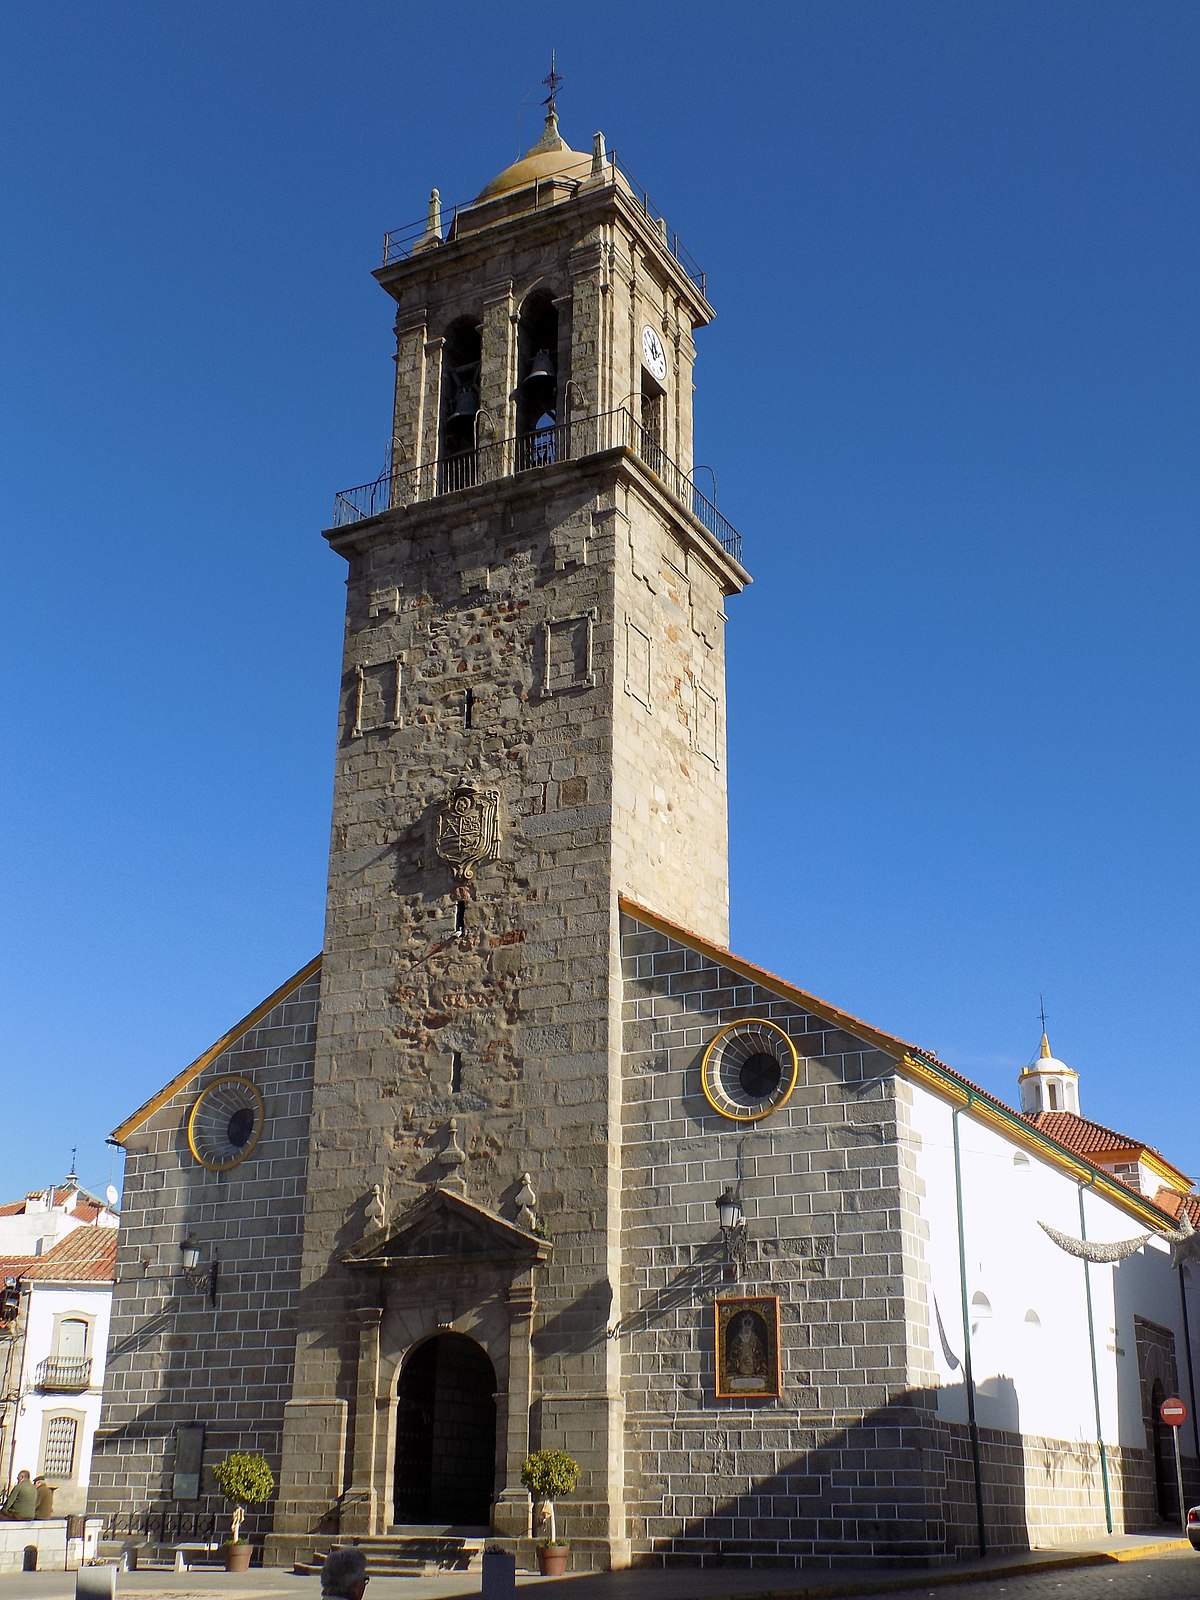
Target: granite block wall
[(835, 1468), (176, 1359)]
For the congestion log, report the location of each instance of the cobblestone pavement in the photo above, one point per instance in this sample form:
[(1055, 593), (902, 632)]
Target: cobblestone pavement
[(1168, 1577)]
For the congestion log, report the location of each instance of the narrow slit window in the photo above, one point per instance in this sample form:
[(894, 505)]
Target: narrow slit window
[(469, 708), (460, 916), (456, 1072)]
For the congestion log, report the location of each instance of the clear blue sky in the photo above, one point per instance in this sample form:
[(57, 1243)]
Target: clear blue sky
[(950, 398)]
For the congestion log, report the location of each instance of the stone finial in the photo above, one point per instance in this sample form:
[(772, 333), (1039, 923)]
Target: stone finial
[(432, 236), (599, 155), (452, 1158), (376, 1209), (526, 1200)]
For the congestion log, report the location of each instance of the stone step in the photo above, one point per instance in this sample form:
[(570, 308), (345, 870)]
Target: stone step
[(410, 1552)]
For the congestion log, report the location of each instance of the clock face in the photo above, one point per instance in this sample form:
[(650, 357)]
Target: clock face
[(225, 1123), (653, 354), (749, 1069)]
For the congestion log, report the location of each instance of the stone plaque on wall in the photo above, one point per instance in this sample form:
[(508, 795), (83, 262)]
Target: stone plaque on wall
[(637, 663), (567, 653), (467, 830), (189, 1455), (376, 697)]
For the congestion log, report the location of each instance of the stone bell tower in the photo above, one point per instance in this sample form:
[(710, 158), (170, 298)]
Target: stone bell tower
[(532, 723)]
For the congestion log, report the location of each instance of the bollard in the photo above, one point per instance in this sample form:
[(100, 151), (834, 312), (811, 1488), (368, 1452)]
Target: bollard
[(499, 1575), (96, 1583)]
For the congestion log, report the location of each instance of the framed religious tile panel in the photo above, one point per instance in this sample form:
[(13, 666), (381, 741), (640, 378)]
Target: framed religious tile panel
[(747, 1339)]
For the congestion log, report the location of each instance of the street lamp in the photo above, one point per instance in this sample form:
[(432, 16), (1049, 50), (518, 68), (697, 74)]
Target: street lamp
[(189, 1257), (733, 1232)]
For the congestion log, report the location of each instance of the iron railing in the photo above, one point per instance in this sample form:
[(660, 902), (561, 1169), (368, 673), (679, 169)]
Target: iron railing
[(399, 243), (490, 460), (64, 1374), (161, 1525)]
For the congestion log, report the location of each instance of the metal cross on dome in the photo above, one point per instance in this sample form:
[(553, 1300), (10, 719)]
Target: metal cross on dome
[(553, 80)]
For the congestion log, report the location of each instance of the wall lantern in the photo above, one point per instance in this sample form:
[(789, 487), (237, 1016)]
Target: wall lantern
[(733, 1232), (189, 1256)]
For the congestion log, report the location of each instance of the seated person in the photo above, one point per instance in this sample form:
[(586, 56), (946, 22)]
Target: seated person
[(21, 1505)]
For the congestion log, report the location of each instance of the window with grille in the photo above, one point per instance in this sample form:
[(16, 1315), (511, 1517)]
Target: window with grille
[(60, 1447)]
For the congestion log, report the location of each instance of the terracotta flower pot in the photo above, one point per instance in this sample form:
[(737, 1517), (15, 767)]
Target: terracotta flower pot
[(237, 1556), (552, 1559)]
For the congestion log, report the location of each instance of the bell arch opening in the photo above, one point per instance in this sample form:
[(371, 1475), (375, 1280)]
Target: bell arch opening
[(537, 381), (446, 1434), (462, 359)]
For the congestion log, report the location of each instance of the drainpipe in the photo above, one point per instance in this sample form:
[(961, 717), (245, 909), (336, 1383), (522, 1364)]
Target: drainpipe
[(1187, 1350), (968, 1371), (1087, 1284)]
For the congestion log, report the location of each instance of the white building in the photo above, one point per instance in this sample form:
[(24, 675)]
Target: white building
[(57, 1262)]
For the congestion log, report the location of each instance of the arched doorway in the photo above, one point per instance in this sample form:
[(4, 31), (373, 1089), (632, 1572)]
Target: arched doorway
[(446, 1434)]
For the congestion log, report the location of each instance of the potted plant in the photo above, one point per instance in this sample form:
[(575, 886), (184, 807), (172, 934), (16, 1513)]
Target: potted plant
[(245, 1480), (547, 1474)]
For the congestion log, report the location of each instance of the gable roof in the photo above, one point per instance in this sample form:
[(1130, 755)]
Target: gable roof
[(86, 1208), (922, 1066), (1088, 1138), (88, 1255), (889, 1043), (181, 1079), (441, 1228)]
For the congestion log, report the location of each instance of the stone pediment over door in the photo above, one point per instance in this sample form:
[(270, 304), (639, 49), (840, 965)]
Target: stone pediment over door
[(442, 1229)]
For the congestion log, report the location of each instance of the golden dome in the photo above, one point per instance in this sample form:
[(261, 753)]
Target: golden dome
[(551, 157)]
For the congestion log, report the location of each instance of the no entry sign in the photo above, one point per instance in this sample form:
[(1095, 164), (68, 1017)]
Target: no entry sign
[(1173, 1412)]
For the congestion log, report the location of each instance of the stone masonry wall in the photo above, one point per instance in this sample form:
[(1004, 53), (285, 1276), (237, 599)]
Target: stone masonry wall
[(173, 1358), (470, 1029), (834, 1469)]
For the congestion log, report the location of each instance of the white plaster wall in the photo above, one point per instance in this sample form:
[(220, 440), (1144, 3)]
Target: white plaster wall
[(46, 1303), (1033, 1377)]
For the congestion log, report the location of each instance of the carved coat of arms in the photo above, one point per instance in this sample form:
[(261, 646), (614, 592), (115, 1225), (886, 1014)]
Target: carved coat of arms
[(468, 828)]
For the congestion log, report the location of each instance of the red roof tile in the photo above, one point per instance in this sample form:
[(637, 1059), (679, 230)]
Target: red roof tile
[(89, 1255), (1079, 1134), (1087, 1138), (1176, 1204)]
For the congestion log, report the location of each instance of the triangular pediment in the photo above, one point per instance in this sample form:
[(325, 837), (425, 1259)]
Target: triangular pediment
[(442, 1228)]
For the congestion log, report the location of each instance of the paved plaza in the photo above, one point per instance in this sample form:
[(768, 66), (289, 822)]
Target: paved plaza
[(1137, 1567)]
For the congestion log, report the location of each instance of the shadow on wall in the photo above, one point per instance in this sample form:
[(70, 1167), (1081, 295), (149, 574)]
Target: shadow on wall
[(896, 1489), (1157, 1366)]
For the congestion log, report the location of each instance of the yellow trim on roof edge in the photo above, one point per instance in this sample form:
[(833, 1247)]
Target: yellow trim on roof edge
[(181, 1080), (887, 1042), (912, 1061), (995, 1115), (1162, 1169)]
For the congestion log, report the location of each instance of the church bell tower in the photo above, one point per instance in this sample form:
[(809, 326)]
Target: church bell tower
[(532, 723)]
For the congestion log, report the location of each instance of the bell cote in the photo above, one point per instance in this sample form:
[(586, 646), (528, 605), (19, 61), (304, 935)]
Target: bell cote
[(551, 316)]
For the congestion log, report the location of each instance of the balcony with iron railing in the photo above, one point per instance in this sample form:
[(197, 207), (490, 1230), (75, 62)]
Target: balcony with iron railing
[(64, 1374), (489, 461)]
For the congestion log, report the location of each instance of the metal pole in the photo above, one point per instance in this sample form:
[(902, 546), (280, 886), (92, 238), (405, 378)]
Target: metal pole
[(968, 1371), (1179, 1483), (1087, 1284), (1187, 1350)]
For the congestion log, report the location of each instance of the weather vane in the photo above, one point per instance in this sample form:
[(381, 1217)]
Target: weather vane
[(553, 81), (1042, 1011)]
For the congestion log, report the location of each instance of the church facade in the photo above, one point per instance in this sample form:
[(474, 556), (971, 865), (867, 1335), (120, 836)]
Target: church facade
[(528, 1158)]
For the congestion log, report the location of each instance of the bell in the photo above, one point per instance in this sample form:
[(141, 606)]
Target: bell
[(466, 404), (542, 368)]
